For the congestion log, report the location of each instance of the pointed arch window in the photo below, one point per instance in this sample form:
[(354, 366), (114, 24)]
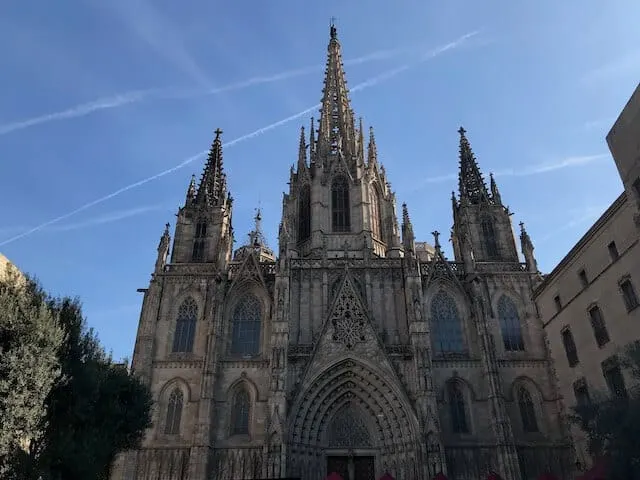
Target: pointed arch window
[(510, 325), (457, 408), (240, 413), (247, 323), (340, 206), (199, 242), (376, 213), (304, 213), (174, 412), (489, 239), (527, 411), (446, 326), (185, 326)]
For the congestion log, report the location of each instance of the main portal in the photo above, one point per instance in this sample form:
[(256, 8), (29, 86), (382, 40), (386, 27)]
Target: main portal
[(351, 467)]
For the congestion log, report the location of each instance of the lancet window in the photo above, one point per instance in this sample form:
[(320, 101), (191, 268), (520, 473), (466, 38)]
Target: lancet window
[(199, 242), (489, 239), (457, 408), (304, 213), (174, 412), (376, 213), (446, 326), (527, 411), (510, 325), (185, 326), (246, 326), (340, 205), (240, 413)]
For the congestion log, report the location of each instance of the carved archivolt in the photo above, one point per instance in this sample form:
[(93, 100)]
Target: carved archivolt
[(388, 419)]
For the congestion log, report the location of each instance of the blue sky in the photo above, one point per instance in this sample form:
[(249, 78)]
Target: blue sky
[(101, 95)]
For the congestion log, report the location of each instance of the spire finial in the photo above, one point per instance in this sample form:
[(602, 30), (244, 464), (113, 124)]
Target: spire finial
[(462, 131), (436, 239), (213, 185), (333, 32), (218, 132), (472, 187)]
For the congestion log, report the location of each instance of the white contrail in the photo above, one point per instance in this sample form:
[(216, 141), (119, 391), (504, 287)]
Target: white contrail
[(368, 83), (137, 96)]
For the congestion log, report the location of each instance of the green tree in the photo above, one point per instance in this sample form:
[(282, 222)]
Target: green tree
[(30, 337), (612, 424), (98, 410)]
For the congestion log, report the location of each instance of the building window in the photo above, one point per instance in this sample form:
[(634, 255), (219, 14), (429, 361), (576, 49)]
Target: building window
[(304, 213), (457, 408), (240, 413), (581, 392), (247, 322), (174, 412), (199, 242), (613, 376), (340, 206), (629, 294), (446, 325), (510, 325), (613, 251), (376, 213), (185, 326), (489, 239), (527, 411), (584, 281), (570, 347), (598, 326), (557, 302)]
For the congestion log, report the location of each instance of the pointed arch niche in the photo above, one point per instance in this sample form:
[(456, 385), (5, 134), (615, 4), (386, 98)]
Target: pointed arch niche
[(348, 428), (527, 407), (304, 213), (376, 212), (173, 401), (340, 204)]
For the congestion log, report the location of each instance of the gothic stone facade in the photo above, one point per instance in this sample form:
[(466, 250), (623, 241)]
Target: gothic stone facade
[(355, 348)]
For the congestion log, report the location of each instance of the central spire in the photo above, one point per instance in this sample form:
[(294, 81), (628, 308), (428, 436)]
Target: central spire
[(337, 126), (471, 183)]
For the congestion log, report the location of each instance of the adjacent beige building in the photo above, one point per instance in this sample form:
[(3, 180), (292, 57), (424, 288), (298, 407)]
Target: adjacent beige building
[(8, 271), (589, 302)]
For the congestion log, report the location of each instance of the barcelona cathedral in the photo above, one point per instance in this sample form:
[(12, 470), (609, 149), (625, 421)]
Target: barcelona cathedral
[(353, 349)]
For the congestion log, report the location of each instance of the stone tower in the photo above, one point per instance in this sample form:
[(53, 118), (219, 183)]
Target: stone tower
[(355, 349)]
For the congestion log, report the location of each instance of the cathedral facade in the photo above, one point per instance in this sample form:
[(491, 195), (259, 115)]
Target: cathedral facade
[(354, 348)]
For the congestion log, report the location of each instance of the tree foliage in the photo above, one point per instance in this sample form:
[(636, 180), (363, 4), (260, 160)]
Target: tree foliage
[(90, 410), (612, 425), (30, 337)]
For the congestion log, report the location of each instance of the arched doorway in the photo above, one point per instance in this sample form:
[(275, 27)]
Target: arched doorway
[(349, 447)]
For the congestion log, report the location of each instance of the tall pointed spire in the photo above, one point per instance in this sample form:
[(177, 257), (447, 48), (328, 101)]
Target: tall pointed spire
[(213, 183), (337, 126), (312, 142), (372, 158), (471, 183), (302, 152), (495, 194), (408, 238), (191, 191)]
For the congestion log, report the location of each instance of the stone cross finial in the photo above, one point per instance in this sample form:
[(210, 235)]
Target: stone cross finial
[(218, 132), (462, 131), (521, 226)]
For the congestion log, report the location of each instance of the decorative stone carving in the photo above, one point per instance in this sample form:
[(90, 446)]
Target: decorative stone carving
[(348, 319)]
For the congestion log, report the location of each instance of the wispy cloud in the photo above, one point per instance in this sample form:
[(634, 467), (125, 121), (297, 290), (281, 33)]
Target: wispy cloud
[(526, 171), (625, 65), (366, 84), (600, 123), (176, 93), (577, 218)]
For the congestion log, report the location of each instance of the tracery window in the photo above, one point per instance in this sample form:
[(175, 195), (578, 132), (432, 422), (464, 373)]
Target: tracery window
[(174, 412), (457, 408), (510, 325), (185, 326), (376, 213), (348, 430), (240, 413), (199, 242), (527, 411), (340, 207), (304, 213), (446, 326), (489, 239), (247, 322)]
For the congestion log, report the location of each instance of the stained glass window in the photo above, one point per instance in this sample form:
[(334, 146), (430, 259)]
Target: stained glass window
[(185, 326), (510, 325), (457, 408), (340, 208), (174, 412), (527, 411), (446, 326), (240, 413), (348, 430), (247, 321)]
